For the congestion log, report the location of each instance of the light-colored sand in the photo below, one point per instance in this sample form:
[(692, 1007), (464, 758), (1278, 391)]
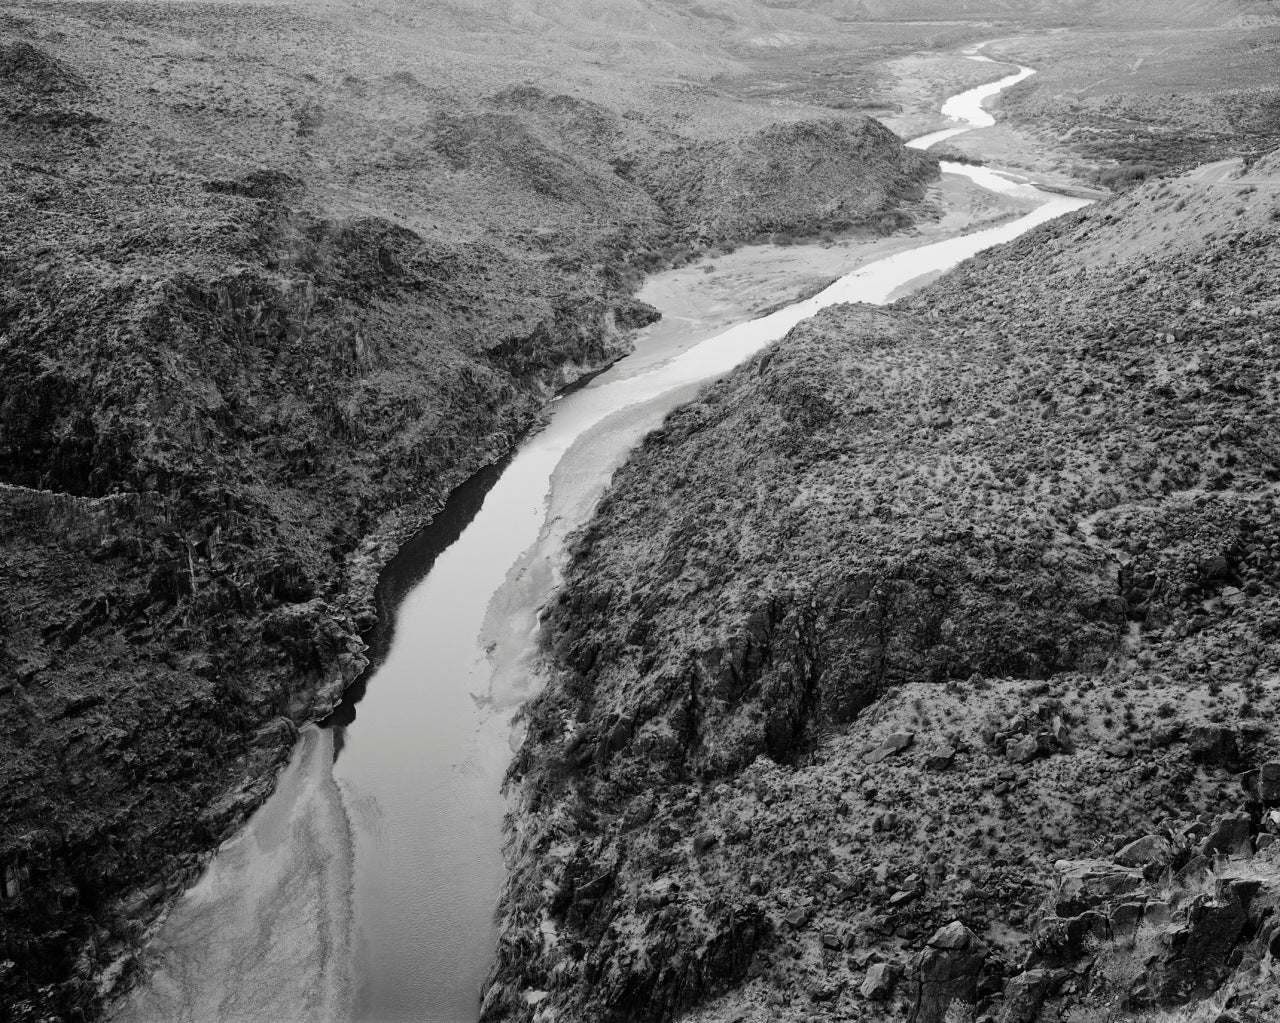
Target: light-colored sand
[(278, 891), (724, 290), (922, 81)]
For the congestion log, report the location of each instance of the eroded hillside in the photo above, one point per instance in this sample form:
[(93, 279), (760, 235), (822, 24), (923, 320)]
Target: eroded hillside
[(273, 280), (932, 656)]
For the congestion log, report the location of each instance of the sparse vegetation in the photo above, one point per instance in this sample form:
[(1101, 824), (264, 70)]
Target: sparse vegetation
[(261, 307), (275, 277), (895, 519)]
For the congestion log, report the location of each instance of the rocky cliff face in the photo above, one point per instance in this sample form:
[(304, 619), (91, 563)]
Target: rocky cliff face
[(261, 308), (915, 605)]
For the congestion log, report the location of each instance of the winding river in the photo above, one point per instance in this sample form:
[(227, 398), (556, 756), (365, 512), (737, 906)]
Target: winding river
[(365, 887)]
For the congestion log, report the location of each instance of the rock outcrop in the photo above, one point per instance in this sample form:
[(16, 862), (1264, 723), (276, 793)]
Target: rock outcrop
[(1183, 929), (945, 974)]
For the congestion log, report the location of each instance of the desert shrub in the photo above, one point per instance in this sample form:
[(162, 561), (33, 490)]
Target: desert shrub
[(1123, 177)]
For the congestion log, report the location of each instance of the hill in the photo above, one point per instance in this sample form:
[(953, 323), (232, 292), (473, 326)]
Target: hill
[(931, 655), (1126, 104), (274, 279)]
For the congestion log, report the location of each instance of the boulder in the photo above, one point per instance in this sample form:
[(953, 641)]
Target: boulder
[(1215, 568), (1269, 783), (796, 917), (952, 937), (1061, 941), (1023, 996), (1239, 889), (1194, 956), (879, 982), (940, 759), (946, 972), (1024, 750), (894, 743), (1086, 884), (825, 991), (1145, 850), (1230, 834), (1214, 744)]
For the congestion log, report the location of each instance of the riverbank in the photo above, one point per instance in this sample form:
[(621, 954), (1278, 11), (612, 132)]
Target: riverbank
[(411, 783), (726, 288), (249, 327), (394, 779), (888, 664), (312, 936), (252, 342)]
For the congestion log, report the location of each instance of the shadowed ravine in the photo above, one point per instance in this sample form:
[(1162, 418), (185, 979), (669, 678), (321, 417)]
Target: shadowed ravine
[(366, 886)]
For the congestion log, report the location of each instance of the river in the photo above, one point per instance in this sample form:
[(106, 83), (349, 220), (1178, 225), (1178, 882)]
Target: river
[(365, 888)]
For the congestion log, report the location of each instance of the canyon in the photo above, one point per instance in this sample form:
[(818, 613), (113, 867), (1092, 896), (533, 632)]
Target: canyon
[(266, 305)]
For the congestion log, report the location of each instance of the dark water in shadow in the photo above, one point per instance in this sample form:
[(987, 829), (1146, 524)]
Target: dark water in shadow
[(401, 574)]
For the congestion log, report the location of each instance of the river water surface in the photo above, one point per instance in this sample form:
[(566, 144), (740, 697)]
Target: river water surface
[(365, 888)]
